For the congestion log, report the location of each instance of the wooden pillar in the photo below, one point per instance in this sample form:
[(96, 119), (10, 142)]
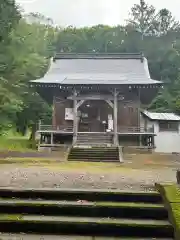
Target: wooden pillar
[(139, 106), (52, 139), (115, 118), (54, 113), (75, 123), (39, 125), (153, 143), (140, 140)]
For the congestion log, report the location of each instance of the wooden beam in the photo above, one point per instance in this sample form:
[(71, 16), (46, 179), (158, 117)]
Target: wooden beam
[(94, 97), (75, 123), (110, 103), (115, 117), (80, 103), (103, 97)]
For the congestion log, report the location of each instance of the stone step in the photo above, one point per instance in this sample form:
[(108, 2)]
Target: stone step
[(94, 138), (95, 160), (94, 141), (93, 195), (84, 209), (6, 236), (96, 149), (95, 153), (85, 159), (85, 226), (91, 136), (92, 156)]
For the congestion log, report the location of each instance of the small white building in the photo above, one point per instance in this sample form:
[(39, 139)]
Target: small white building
[(166, 128)]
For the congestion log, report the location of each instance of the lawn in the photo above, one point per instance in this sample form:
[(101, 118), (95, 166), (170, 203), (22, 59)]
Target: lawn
[(171, 196), (12, 141)]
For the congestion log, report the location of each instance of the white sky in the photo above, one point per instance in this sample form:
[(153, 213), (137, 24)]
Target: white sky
[(91, 12)]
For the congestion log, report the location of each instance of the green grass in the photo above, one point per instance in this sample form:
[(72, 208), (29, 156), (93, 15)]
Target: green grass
[(172, 193), (10, 217), (13, 141), (171, 196), (14, 144)]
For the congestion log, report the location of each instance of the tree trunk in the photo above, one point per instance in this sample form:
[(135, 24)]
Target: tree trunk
[(33, 133), (178, 176)]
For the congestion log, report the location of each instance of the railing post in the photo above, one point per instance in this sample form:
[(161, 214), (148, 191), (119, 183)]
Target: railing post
[(75, 124), (115, 117)]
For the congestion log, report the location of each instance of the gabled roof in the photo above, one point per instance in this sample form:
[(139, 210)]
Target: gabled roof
[(117, 69), (161, 116)]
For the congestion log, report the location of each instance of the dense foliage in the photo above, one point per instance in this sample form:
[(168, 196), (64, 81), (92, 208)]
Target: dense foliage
[(26, 43)]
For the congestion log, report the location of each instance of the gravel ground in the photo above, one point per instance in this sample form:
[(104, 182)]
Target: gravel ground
[(14, 175)]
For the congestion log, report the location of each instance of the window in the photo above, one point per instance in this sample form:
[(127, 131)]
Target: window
[(168, 126)]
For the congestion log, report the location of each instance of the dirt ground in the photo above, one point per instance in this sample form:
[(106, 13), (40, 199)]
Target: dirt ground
[(139, 175), (136, 173)]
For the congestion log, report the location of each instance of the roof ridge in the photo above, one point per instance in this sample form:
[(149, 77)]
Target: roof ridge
[(98, 56)]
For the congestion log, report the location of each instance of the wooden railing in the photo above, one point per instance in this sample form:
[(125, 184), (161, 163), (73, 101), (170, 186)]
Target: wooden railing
[(133, 129), (62, 128), (121, 129)]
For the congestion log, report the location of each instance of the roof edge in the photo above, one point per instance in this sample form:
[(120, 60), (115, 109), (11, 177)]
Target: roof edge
[(99, 56), (147, 114)]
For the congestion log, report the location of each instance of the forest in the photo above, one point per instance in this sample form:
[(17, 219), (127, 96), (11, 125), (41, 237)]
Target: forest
[(28, 41)]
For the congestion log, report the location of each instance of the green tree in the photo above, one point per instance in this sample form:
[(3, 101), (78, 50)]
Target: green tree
[(31, 46), (142, 17), (9, 103)]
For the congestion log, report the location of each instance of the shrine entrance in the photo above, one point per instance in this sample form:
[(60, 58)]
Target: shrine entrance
[(95, 116)]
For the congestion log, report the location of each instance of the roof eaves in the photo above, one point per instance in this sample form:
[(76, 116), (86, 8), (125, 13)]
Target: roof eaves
[(161, 116), (98, 56)]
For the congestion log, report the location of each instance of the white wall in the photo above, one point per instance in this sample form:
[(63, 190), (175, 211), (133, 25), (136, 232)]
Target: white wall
[(165, 142)]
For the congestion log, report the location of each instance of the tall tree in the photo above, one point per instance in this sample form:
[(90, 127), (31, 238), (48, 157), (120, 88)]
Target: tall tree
[(9, 104), (9, 17), (142, 17)]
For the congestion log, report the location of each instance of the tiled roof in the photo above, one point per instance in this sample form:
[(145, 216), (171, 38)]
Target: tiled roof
[(161, 116), (98, 69)]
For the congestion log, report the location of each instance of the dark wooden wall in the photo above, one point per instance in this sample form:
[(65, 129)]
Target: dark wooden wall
[(128, 112), (59, 112)]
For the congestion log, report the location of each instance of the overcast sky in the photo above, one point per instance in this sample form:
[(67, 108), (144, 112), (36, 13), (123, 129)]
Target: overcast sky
[(91, 12)]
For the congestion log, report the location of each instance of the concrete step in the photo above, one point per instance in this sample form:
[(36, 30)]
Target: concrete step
[(85, 226)]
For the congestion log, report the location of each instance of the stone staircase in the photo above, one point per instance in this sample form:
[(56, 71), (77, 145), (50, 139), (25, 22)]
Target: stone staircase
[(72, 214), (94, 154), (95, 139)]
